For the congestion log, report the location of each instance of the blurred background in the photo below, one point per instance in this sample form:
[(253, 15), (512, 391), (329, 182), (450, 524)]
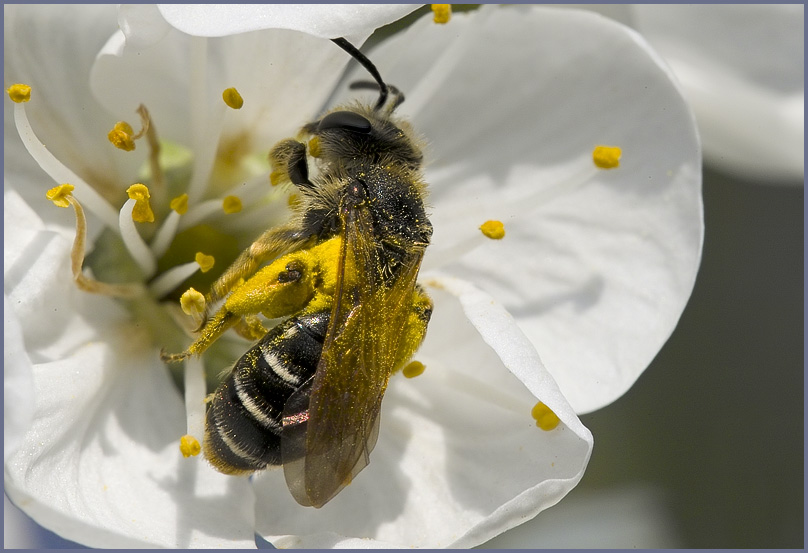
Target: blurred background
[(706, 450)]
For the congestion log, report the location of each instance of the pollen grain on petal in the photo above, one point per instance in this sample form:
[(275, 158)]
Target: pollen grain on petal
[(415, 368), (232, 98), (606, 157), (189, 446), (231, 204), (544, 417), (19, 93), (142, 212), (204, 261), (58, 195), (494, 230), (442, 13)]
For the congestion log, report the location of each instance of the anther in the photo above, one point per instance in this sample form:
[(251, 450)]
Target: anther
[(59, 195), (231, 204), (442, 13), (142, 212), (179, 204), (606, 157), (415, 368), (204, 261), (189, 446), (19, 93), (192, 302), (121, 136), (232, 98), (494, 230), (544, 416)]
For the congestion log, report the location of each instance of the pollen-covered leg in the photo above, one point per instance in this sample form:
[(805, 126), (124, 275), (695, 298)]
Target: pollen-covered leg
[(414, 331)]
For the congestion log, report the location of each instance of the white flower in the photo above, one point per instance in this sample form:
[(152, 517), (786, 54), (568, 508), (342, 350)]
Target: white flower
[(742, 68), (593, 272)]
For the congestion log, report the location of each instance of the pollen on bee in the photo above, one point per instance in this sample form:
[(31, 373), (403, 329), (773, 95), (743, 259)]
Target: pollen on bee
[(494, 230), (232, 98), (442, 13), (294, 200), (231, 204), (415, 368), (19, 93), (142, 212), (276, 177), (205, 262), (192, 302), (122, 136), (606, 157), (314, 147), (179, 204), (544, 416), (189, 446), (58, 195)]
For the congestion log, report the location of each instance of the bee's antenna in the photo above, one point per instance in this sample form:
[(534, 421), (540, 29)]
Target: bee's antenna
[(367, 64)]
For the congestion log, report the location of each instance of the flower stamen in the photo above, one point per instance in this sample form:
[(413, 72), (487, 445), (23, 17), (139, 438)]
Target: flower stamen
[(195, 392), (142, 212), (62, 196), (413, 369), (231, 204), (173, 277), (606, 157), (494, 230), (442, 13), (232, 98), (137, 247)]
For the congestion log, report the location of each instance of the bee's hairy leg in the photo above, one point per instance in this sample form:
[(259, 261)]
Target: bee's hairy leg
[(251, 328), (288, 159), (414, 329), (270, 244)]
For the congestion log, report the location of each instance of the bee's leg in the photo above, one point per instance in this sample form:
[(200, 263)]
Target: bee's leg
[(288, 159), (269, 245), (278, 290), (250, 327), (414, 329)]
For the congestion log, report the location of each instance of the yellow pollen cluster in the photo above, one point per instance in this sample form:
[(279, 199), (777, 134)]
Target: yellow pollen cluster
[(442, 13), (415, 368), (142, 212), (179, 204), (232, 98), (192, 302), (544, 416), (58, 195), (19, 93), (276, 177), (606, 157), (205, 262), (314, 147), (122, 136), (293, 200), (231, 204), (494, 230), (189, 446)]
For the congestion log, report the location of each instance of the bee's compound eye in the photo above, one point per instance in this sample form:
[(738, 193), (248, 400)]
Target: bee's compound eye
[(347, 120)]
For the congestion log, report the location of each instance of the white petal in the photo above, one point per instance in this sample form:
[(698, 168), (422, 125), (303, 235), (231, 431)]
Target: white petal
[(323, 20), (100, 464), (18, 384), (743, 70), (513, 103), (459, 458)]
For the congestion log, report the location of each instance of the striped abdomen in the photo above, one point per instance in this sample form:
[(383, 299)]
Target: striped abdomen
[(243, 425)]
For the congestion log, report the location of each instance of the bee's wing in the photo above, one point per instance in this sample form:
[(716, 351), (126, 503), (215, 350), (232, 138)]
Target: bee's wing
[(332, 422)]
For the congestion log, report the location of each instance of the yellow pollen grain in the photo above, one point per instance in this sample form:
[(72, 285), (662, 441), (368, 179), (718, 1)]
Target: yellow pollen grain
[(189, 446), (442, 13), (231, 204), (606, 157), (122, 136), (276, 177), (58, 195), (179, 204), (314, 146), (205, 262), (494, 230), (544, 416), (293, 201), (142, 212), (232, 98), (19, 93), (415, 368), (192, 302)]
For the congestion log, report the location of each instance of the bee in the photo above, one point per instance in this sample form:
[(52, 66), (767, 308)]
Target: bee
[(342, 273)]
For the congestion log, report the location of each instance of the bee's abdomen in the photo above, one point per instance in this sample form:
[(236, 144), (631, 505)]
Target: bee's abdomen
[(243, 424)]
